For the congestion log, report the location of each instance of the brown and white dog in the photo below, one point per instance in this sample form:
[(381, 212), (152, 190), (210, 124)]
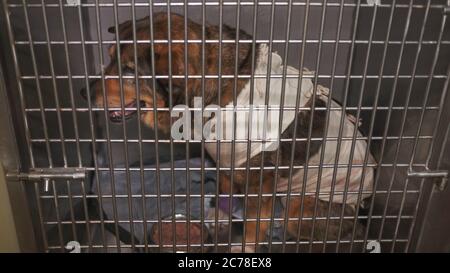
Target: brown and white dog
[(314, 208)]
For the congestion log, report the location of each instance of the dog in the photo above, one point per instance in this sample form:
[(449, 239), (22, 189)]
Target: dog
[(259, 183)]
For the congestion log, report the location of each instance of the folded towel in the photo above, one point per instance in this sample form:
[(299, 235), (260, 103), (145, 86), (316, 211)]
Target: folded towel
[(270, 128)]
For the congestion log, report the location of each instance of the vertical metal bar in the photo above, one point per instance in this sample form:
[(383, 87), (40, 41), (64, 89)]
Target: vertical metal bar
[(40, 215), (138, 95), (77, 135), (18, 75), (439, 116), (41, 105), (422, 116), (107, 129), (186, 98), (219, 87), (297, 105), (280, 126), (172, 167), (333, 71), (155, 124), (266, 102), (236, 61), (383, 145), (72, 214), (124, 126), (250, 122), (86, 213), (58, 216), (202, 167), (319, 55), (446, 136), (74, 116)]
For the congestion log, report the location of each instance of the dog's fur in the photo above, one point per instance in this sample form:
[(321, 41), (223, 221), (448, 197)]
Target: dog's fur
[(183, 91)]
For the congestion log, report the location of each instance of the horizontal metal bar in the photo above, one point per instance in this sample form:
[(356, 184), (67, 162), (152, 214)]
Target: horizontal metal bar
[(161, 109), (383, 165), (256, 76), (293, 194), (231, 3), (69, 140), (234, 220), (238, 107), (40, 174), (226, 41), (122, 246)]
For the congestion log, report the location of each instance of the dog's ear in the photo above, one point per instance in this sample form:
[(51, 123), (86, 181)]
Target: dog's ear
[(126, 27), (178, 65), (244, 48), (123, 26), (112, 29)]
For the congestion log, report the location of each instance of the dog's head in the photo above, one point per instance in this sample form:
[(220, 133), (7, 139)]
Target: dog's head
[(120, 85), (168, 62)]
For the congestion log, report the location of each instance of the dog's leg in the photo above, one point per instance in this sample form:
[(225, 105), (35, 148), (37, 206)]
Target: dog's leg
[(258, 207), (306, 208), (225, 183)]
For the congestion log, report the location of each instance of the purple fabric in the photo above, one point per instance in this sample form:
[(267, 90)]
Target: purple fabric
[(224, 204)]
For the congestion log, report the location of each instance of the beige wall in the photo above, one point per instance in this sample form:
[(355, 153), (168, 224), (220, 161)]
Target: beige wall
[(8, 235)]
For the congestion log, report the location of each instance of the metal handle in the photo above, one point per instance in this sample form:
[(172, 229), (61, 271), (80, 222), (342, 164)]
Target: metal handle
[(432, 174)]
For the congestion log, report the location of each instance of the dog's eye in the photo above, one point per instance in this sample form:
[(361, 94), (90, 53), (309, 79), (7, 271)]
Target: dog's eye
[(129, 75), (128, 70)]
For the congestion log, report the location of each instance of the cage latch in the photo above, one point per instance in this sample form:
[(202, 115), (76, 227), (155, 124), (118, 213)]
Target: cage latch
[(47, 174), (441, 175)]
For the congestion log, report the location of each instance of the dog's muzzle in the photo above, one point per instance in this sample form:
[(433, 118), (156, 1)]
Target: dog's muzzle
[(121, 115), (115, 115)]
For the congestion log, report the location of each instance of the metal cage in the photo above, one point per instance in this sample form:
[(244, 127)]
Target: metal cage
[(75, 179)]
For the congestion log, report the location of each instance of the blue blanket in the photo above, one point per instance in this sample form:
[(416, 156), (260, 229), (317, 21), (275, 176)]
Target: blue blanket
[(135, 212)]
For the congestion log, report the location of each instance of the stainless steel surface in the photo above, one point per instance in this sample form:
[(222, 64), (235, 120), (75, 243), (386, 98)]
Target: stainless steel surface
[(10, 161), (386, 63)]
